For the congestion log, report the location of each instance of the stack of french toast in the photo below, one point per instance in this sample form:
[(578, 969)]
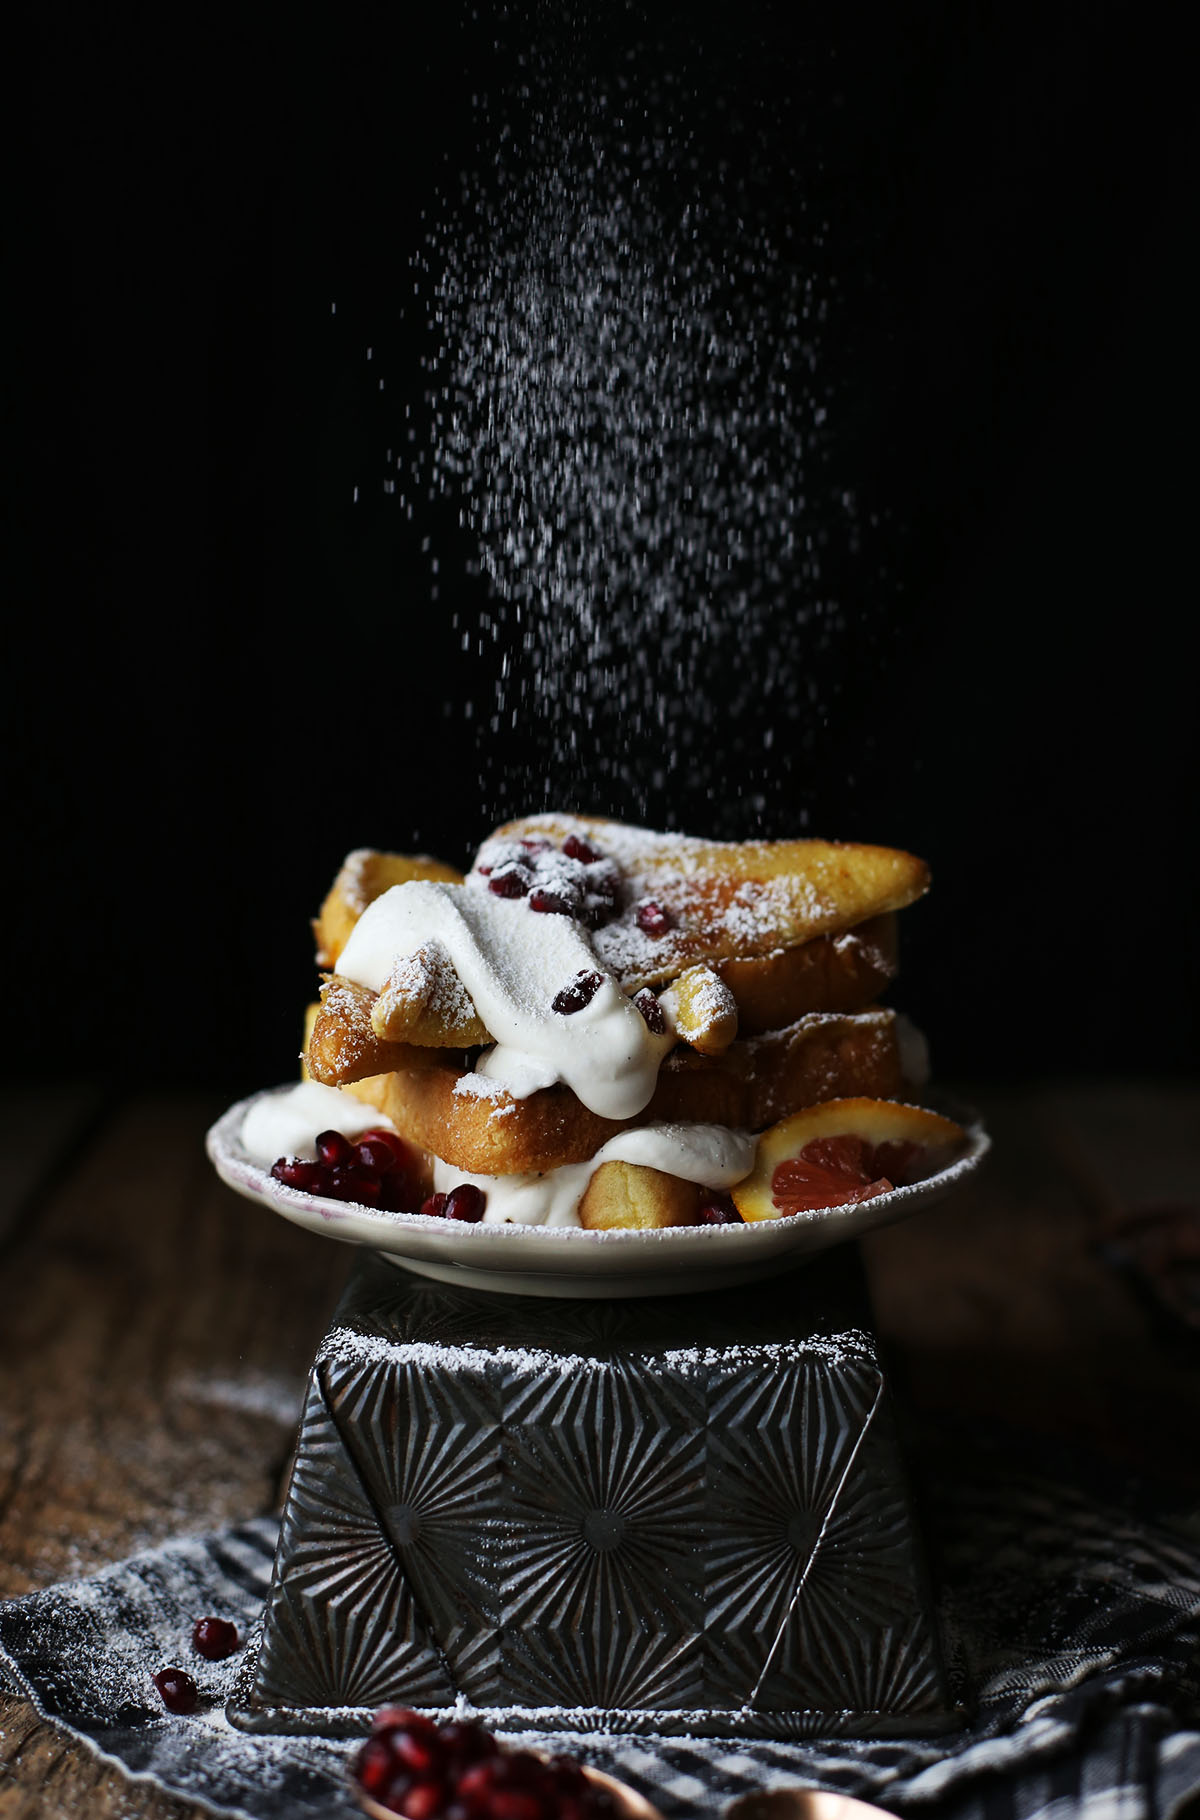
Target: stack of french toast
[(603, 1026)]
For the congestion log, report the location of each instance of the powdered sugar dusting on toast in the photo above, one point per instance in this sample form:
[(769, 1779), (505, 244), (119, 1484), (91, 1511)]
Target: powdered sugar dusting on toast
[(431, 975), (715, 910), (352, 879)]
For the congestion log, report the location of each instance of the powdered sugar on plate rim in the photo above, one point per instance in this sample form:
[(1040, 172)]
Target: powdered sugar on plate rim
[(568, 1261)]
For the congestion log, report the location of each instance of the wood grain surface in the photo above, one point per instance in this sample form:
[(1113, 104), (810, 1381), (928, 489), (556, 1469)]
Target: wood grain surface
[(156, 1331), (155, 1336)]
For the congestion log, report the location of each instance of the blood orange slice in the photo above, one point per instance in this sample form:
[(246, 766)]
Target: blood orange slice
[(841, 1152)]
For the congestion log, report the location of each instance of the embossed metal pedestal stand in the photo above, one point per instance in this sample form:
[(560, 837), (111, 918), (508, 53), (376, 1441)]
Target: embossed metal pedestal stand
[(655, 1516)]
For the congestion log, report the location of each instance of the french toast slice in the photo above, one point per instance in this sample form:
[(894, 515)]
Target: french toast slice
[(476, 1125), (628, 1197), (834, 972), (341, 1044), (830, 973), (722, 900), (365, 875)]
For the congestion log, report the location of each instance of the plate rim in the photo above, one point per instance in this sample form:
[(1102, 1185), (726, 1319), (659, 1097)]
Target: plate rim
[(239, 1172)]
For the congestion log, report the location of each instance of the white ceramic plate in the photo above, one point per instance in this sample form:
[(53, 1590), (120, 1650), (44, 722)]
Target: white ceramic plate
[(566, 1261)]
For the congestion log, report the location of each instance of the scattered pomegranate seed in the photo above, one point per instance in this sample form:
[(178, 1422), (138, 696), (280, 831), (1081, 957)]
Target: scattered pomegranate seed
[(355, 1184), (332, 1148), (580, 992), (651, 1010), (415, 1747), (391, 1717), (718, 1210), (377, 1171), (214, 1638), (574, 848), (536, 843), (375, 1158), (295, 1172), (466, 1202), (601, 902), (652, 919), (457, 1771), (568, 1776), (387, 1142), (425, 1799), (373, 1766), (177, 1690), (476, 1783), (516, 1804), (466, 1742), (434, 1205), (511, 881), (551, 902)]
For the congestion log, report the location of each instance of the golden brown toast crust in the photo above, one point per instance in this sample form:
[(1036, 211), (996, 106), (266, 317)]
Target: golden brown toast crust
[(365, 875), (737, 906), (751, 1085), (729, 899), (628, 1197), (832, 973), (342, 1045)]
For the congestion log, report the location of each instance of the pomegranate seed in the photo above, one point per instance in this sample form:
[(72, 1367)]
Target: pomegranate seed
[(398, 1786), (516, 1804), (485, 871), (475, 1785), (549, 901), (652, 919), (520, 1769), (718, 1210), (424, 1799), (418, 1752), (378, 1134), (466, 1202), (652, 1011), (513, 881), (566, 1776), (535, 843), (349, 1184), (392, 1718), (374, 1157), (373, 1766), (214, 1638), (580, 992), (433, 1206), (295, 1172), (177, 1690), (467, 1742), (574, 848), (333, 1148)]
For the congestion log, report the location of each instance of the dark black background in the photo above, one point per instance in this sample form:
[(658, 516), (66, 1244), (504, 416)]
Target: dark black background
[(223, 673)]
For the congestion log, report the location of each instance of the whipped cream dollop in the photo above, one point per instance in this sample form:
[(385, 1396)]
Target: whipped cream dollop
[(514, 962), (286, 1124), (711, 1155)]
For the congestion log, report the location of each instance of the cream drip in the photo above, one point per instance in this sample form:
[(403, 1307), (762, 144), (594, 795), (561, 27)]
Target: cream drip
[(513, 962), (711, 1155), (286, 1124)]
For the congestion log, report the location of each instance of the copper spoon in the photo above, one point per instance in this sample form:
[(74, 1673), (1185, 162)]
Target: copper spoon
[(803, 1804)]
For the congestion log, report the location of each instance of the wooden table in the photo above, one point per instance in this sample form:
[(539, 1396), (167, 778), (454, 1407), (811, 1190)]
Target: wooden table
[(155, 1334)]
